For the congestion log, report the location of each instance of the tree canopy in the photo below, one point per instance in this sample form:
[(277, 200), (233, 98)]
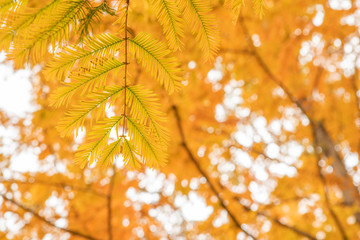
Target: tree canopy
[(181, 119)]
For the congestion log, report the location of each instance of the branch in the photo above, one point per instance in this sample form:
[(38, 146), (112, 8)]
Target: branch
[(355, 89), (324, 141), (326, 193), (278, 222), (349, 192), (283, 201), (109, 199), (26, 209), (213, 189), (268, 72), (56, 185), (258, 152), (237, 51), (204, 174)]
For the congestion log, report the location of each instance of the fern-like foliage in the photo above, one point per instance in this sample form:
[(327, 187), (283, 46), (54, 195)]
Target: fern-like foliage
[(54, 29), (138, 130), (112, 151), (168, 15), (145, 108), (236, 6), (6, 5), (97, 141), (152, 154), (83, 83), (259, 6), (95, 51), (94, 103), (131, 156), (9, 6), (203, 25), (144, 122), (153, 55), (147, 137), (17, 24), (121, 146), (196, 13), (93, 17)]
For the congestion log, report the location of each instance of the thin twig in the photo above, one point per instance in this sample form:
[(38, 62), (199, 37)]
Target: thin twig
[(27, 209), (237, 51), (326, 193), (268, 72), (357, 102), (109, 200), (216, 192), (204, 174), (277, 221), (57, 185), (316, 126)]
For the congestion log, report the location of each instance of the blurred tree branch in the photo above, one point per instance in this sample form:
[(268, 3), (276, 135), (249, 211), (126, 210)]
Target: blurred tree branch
[(217, 193), (326, 195), (33, 212), (324, 140), (203, 173), (109, 199), (57, 185)]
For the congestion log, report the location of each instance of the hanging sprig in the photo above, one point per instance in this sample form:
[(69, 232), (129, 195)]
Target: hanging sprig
[(144, 137), (139, 133), (236, 5)]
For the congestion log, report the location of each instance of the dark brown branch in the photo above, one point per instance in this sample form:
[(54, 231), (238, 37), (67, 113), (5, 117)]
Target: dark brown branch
[(292, 228), (326, 142), (109, 199), (216, 192), (283, 201), (258, 152), (205, 175), (323, 140), (268, 72), (237, 51), (57, 185), (319, 72), (326, 193), (278, 222), (357, 101), (33, 212), (275, 220)]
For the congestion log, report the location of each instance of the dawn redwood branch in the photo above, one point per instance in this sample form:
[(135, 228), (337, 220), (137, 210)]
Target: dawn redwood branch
[(57, 185), (323, 140), (355, 89), (283, 201), (275, 220), (258, 152), (269, 73), (109, 200), (278, 222), (326, 195), (204, 174), (326, 142), (216, 192), (237, 51), (33, 212)]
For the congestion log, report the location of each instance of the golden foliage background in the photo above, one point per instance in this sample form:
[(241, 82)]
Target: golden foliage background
[(253, 105)]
